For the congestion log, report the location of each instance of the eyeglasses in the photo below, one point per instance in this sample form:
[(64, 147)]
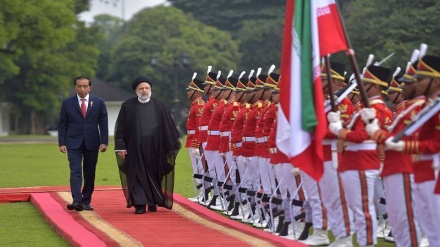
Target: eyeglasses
[(82, 86)]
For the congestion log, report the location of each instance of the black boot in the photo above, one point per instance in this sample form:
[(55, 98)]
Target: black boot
[(305, 234), (231, 205), (213, 202), (236, 211), (285, 229), (280, 224), (206, 195)]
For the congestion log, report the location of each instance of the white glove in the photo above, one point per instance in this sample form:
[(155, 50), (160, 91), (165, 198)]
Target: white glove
[(372, 127), (245, 161), (195, 151), (367, 114), (222, 155), (335, 127), (334, 117), (295, 171), (381, 168), (396, 146)]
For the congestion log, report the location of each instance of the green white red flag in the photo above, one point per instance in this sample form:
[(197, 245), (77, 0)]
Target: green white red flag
[(312, 29)]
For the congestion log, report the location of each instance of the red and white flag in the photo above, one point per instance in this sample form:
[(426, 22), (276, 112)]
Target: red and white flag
[(301, 119)]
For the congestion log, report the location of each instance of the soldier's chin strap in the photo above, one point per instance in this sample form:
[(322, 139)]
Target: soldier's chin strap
[(395, 99), (352, 97), (220, 92), (230, 92), (192, 95), (250, 100), (239, 99), (429, 85), (261, 97)]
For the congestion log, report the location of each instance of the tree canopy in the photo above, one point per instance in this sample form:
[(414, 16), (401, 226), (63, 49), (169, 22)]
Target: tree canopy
[(45, 47), (166, 33)]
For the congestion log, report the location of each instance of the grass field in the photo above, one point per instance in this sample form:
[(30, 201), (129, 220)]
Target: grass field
[(28, 165)]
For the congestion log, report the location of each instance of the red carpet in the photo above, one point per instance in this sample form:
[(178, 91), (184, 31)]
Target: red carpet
[(112, 224)]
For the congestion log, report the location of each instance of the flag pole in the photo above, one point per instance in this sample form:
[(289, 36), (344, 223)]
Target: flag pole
[(329, 82), (350, 54)]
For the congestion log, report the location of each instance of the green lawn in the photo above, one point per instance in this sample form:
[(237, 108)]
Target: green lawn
[(42, 164)]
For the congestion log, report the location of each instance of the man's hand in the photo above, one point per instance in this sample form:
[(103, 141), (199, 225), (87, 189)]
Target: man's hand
[(368, 114), (335, 127), (63, 149), (372, 127), (122, 154), (102, 148), (396, 146), (222, 155), (295, 171), (195, 152), (334, 117)]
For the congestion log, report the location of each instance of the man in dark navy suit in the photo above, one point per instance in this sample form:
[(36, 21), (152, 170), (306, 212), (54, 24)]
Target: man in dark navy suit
[(82, 131)]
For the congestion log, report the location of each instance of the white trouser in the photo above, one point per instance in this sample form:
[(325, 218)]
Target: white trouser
[(333, 197), (428, 210), (379, 192), (266, 175), (232, 166), (287, 183), (210, 156), (196, 164), (400, 207), (219, 164), (359, 191), (254, 176), (313, 196)]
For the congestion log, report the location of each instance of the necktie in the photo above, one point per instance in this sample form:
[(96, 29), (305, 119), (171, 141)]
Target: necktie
[(83, 107)]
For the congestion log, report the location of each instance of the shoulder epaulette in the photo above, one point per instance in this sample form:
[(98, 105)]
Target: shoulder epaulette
[(248, 105), (235, 103), (200, 102)]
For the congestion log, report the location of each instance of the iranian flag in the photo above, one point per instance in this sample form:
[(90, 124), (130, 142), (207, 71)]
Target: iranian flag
[(312, 29)]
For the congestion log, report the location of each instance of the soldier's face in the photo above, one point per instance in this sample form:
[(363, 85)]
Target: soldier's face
[(422, 85)]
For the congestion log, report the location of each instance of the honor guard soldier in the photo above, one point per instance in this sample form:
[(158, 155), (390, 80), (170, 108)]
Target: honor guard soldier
[(215, 161), (208, 109), (194, 93), (236, 141), (398, 172), (253, 95), (426, 148), (330, 186), (360, 164), (229, 114)]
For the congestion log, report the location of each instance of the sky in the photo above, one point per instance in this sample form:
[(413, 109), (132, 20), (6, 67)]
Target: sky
[(131, 7)]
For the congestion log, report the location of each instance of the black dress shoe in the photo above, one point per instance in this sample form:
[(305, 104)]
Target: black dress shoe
[(75, 206), (140, 209), (87, 207), (152, 208)]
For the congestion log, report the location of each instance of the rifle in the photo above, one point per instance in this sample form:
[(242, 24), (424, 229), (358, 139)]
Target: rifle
[(422, 117)]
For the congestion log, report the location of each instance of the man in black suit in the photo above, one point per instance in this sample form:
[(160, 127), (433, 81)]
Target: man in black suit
[(82, 131)]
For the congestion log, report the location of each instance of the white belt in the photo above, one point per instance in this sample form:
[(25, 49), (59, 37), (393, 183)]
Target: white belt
[(361, 146), (249, 139), (273, 150), (426, 156), (225, 133), (203, 127), (261, 139), (213, 132), (191, 132), (238, 144)]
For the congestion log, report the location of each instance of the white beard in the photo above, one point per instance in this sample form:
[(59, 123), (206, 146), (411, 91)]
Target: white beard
[(143, 98)]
